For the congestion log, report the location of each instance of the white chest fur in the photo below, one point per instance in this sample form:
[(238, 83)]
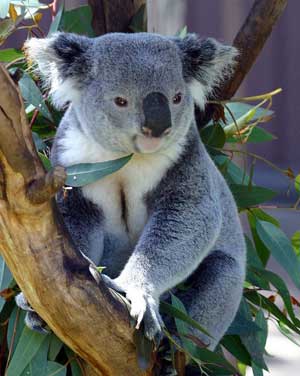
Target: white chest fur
[(124, 189)]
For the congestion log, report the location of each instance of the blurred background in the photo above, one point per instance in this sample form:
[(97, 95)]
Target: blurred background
[(276, 67)]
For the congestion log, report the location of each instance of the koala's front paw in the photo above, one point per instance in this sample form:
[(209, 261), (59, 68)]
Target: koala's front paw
[(143, 308), (32, 319)]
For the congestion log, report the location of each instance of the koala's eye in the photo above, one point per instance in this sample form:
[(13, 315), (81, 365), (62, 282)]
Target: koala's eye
[(121, 102), (177, 98)]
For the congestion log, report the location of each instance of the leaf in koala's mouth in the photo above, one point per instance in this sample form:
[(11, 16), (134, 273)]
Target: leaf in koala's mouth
[(86, 173)]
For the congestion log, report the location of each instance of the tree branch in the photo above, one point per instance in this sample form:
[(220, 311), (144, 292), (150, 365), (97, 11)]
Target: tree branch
[(250, 41), (55, 279)]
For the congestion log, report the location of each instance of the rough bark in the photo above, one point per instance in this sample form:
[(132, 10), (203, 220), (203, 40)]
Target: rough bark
[(33, 242)]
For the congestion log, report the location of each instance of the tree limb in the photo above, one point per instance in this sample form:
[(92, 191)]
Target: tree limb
[(53, 276), (250, 41)]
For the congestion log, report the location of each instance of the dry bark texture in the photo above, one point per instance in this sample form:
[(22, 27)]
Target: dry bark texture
[(53, 276)]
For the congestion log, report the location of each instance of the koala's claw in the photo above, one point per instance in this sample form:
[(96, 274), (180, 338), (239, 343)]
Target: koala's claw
[(32, 320), (144, 308)]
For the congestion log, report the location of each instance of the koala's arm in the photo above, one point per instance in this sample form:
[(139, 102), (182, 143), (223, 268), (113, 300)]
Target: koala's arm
[(183, 227)]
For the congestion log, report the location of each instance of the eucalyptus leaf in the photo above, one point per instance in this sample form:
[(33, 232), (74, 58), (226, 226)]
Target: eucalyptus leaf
[(182, 326), (78, 21), (281, 248), (29, 344), (32, 95), (5, 279), (213, 136), (56, 369), (232, 173), (87, 173), (176, 313), (297, 183), (249, 196), (233, 344), (10, 54)]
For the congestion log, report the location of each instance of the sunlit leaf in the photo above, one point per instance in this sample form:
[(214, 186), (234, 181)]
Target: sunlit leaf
[(297, 183), (296, 242), (10, 54)]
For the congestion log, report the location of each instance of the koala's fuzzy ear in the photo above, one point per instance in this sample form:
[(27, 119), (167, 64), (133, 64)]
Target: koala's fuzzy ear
[(62, 61), (206, 64)]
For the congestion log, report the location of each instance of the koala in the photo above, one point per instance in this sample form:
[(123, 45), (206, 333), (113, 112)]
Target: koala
[(168, 215)]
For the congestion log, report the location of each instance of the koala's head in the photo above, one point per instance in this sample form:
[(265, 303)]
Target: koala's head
[(132, 92)]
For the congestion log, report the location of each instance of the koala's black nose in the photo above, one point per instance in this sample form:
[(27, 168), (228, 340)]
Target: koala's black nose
[(157, 115)]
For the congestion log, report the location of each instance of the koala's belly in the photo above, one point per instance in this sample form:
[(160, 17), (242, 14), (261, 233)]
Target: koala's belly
[(125, 215)]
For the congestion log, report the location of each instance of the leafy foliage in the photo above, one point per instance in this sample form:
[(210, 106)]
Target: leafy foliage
[(28, 353)]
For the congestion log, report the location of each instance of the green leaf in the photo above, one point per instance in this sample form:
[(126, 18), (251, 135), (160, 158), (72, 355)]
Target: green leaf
[(246, 197), (38, 365), (32, 95), (10, 54), (54, 347), (234, 345), (281, 248), (87, 173), (15, 327), (4, 6), (213, 136), (256, 136), (54, 27), (182, 33), (296, 242), (5, 279), (282, 289), (232, 173), (181, 326), (252, 340), (29, 344), (243, 113), (56, 369), (38, 142), (207, 356), (78, 21), (46, 161), (174, 312), (297, 183), (242, 323), (74, 362), (261, 249), (260, 214), (265, 303)]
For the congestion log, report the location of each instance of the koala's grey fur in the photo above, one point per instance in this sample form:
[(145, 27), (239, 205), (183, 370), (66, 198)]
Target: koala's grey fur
[(168, 215)]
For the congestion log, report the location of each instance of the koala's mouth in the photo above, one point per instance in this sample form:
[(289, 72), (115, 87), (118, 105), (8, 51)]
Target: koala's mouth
[(146, 144)]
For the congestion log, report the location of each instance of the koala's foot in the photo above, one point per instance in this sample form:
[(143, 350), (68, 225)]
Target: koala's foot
[(143, 308), (32, 320)]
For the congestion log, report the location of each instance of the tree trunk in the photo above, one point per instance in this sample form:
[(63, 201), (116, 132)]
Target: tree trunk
[(38, 251)]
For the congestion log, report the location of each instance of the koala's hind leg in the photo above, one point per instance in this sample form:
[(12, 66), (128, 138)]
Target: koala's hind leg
[(215, 295)]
